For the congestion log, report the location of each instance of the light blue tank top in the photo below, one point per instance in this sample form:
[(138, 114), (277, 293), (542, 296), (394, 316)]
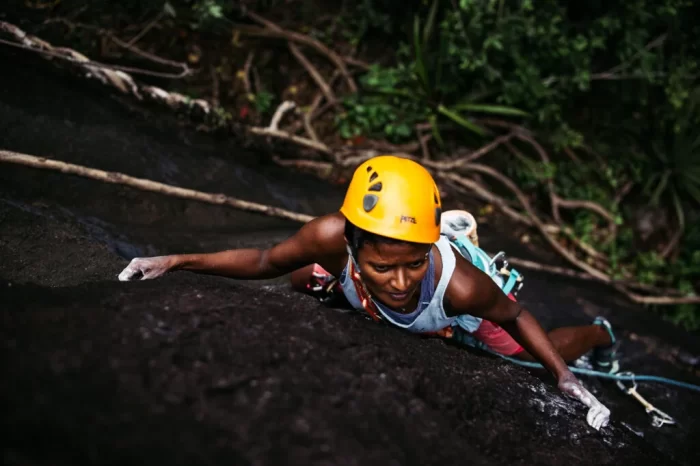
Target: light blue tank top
[(429, 316)]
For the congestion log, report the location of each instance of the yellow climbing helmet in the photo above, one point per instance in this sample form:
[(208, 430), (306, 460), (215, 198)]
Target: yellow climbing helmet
[(394, 197)]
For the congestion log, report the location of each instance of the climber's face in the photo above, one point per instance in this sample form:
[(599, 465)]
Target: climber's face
[(393, 272)]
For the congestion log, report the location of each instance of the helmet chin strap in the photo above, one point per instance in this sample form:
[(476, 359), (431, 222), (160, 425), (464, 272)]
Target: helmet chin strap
[(363, 293), (352, 258)]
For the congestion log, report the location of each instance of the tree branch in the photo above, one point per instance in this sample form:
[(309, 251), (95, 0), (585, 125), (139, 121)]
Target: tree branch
[(588, 205), (314, 111), (536, 220), (283, 108), (245, 74), (485, 194), (314, 73), (148, 185), (658, 300), (275, 133), (273, 30)]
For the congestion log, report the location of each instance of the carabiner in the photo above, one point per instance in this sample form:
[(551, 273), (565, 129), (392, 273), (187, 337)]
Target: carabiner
[(658, 417)]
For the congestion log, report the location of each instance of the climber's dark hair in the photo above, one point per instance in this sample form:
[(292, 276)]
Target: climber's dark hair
[(357, 237)]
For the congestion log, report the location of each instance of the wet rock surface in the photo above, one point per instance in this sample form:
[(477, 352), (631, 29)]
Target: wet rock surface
[(193, 369)]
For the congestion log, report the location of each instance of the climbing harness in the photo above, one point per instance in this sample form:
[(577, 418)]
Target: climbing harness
[(325, 286), (659, 418)]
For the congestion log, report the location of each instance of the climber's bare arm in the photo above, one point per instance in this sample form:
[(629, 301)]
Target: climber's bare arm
[(319, 241)]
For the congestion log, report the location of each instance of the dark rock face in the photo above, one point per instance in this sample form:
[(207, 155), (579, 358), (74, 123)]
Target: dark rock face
[(192, 369)]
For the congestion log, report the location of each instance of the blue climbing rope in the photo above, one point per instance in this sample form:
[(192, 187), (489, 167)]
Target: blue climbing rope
[(603, 375)]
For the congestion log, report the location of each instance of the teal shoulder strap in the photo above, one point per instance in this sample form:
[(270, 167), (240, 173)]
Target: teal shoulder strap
[(511, 279)]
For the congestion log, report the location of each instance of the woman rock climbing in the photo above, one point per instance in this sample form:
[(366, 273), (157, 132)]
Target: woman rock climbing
[(393, 253)]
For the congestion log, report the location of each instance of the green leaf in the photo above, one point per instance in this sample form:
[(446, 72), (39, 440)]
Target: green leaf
[(419, 67), (660, 187), (395, 93), (680, 213), (428, 28), (492, 109), (460, 120)]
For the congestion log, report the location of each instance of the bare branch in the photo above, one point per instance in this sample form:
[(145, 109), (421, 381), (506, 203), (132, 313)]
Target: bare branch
[(626, 188), (313, 111), (319, 146), (553, 197), (145, 30), (128, 46), (148, 185), (568, 151), (273, 30), (536, 220), (622, 66), (486, 195), (526, 264), (314, 73), (423, 140), (588, 205), (358, 63), (306, 119), (657, 300), (556, 200), (283, 108), (245, 73), (80, 60), (669, 298)]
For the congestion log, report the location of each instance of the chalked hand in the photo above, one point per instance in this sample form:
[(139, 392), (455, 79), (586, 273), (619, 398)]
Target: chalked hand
[(146, 268), (598, 414)]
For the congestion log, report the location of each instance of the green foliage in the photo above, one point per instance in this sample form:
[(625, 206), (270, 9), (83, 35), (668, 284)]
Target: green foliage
[(385, 111), (671, 164), (620, 77), (263, 101), (417, 89)]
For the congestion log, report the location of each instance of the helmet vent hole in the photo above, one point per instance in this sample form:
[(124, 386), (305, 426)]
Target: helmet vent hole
[(373, 177), (369, 201), (376, 187), (369, 169), (438, 215), (435, 198)]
